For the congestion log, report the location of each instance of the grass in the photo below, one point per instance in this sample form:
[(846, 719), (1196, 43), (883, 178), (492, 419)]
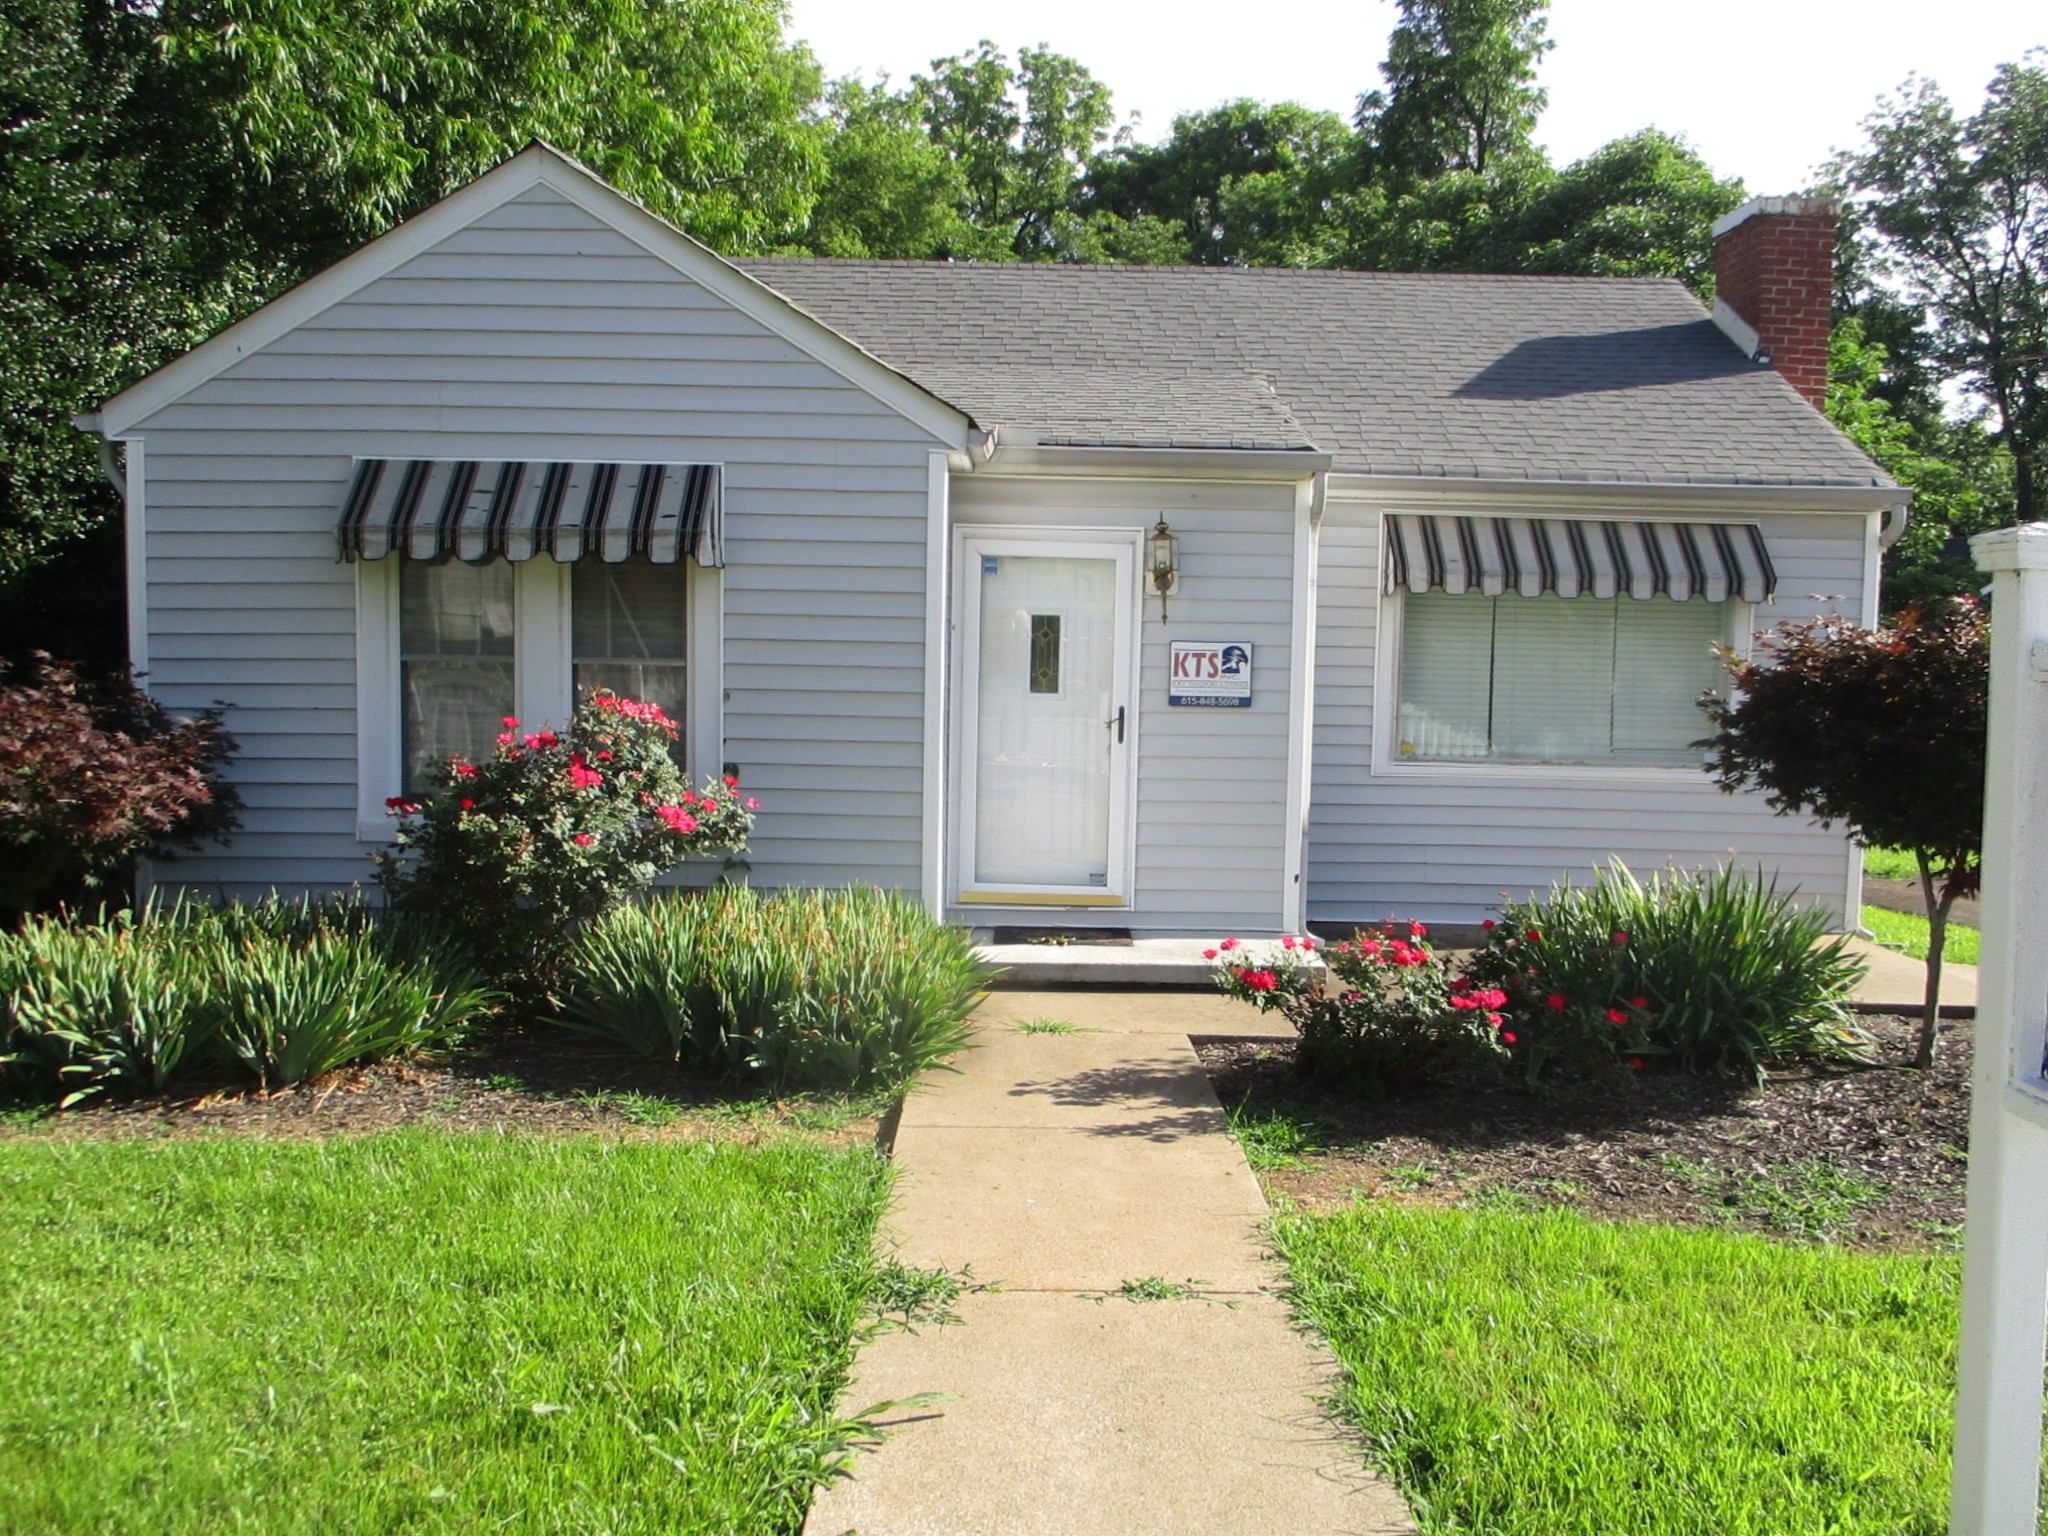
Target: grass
[(1154, 1288), (1907, 932), (423, 1332), (1047, 1027), (1549, 1375), (1274, 1138)]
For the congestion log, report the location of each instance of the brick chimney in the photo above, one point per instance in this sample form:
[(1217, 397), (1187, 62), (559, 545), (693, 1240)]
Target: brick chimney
[(1774, 276)]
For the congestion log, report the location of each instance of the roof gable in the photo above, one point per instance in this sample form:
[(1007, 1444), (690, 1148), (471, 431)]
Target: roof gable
[(537, 166)]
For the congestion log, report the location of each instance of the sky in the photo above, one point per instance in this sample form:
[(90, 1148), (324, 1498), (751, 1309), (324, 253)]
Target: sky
[(1764, 89)]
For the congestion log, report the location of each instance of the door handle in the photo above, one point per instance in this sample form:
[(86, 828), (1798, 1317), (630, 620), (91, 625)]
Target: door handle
[(1116, 722)]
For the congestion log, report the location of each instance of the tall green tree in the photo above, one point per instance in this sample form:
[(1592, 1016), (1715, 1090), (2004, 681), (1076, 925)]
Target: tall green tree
[(1022, 137), (890, 189), (1246, 182), (166, 165), (1956, 213), (1461, 92)]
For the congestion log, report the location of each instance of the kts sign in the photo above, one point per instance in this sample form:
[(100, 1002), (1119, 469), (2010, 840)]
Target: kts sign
[(1212, 674)]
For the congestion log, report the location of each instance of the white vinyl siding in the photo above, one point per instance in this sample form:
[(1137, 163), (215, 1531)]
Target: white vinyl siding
[(1554, 680), (1442, 842), (540, 333)]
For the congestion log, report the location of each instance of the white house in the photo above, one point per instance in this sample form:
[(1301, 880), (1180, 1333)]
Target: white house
[(1451, 555)]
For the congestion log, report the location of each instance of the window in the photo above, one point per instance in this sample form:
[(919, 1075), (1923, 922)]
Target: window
[(1044, 670), (455, 661), (1555, 680), (629, 632)]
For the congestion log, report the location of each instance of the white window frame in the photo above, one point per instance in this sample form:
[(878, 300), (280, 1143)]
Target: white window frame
[(1737, 634), (543, 673)]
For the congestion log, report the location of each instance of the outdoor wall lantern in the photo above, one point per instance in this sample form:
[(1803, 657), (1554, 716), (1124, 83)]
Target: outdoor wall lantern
[(1162, 559)]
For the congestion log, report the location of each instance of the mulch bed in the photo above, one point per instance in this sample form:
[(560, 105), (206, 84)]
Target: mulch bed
[(538, 1080), (1872, 1156)]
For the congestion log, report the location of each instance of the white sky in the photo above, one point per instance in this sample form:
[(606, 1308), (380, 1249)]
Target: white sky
[(1764, 89)]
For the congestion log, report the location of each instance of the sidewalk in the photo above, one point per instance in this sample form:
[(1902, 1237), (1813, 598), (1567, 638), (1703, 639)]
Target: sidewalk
[(1058, 1167)]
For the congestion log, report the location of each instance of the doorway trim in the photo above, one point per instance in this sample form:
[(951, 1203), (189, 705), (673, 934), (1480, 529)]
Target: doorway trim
[(970, 543)]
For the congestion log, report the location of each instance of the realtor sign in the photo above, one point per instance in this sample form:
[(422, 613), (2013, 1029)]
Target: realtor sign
[(1210, 674)]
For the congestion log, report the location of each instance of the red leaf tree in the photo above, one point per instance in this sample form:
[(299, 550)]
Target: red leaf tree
[(1881, 730), (94, 775)]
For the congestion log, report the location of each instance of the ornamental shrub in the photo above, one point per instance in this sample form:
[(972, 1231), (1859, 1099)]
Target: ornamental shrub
[(513, 854), (1382, 1008), (1715, 973), (848, 989), (283, 991), (93, 776)]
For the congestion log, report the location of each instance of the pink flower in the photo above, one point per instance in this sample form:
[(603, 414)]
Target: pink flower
[(511, 724), (583, 839), (1208, 954), (581, 777), (1639, 1002), (732, 781), (1488, 924), (1554, 1002), (1534, 935), (1508, 1036), (676, 819), (1227, 945), (1308, 946), (1287, 941), (1616, 1016), (753, 804), (1261, 981), (1495, 1020), (469, 805), (505, 740), (1620, 938), (1417, 931)]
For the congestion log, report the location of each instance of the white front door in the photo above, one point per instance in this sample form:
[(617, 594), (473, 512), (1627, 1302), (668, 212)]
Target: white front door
[(1046, 732)]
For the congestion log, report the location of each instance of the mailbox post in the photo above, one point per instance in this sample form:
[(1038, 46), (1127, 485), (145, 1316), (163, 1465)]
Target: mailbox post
[(2005, 1262)]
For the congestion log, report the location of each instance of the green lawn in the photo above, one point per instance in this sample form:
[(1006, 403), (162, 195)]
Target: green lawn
[(424, 1332), (1549, 1375), (1907, 933)]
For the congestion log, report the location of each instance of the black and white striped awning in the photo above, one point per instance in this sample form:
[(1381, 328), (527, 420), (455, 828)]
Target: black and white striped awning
[(429, 509), (1577, 557)]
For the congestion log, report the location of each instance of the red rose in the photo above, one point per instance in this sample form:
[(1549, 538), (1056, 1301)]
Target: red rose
[(1554, 1002), (1508, 1036), (1616, 1016), (1639, 1002)]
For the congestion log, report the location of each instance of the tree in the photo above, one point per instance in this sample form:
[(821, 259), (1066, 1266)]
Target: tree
[(1247, 182), (1638, 207), (1461, 92), (1021, 137), (1956, 211), (1953, 468), (889, 189), (168, 165), (1881, 730)]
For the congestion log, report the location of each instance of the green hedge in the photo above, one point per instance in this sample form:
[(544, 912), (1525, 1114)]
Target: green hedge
[(834, 989)]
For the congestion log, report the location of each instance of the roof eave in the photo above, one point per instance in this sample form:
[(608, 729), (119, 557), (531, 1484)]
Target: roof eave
[(1502, 492), (1110, 461)]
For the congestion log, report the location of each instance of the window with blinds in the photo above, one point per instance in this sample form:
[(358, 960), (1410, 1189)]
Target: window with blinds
[(455, 661), (1555, 680), (628, 631)]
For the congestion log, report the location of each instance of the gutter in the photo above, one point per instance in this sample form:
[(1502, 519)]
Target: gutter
[(1435, 491)]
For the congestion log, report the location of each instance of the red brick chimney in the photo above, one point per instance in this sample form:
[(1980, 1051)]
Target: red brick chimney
[(1774, 275)]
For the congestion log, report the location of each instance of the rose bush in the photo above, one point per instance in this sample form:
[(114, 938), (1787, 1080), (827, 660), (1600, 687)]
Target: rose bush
[(1382, 1008), (515, 853)]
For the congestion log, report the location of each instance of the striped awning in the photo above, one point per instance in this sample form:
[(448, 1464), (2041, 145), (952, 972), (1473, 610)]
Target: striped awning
[(1577, 557), (429, 509)]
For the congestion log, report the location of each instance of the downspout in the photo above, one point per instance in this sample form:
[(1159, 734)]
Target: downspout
[(110, 461), (1894, 525)]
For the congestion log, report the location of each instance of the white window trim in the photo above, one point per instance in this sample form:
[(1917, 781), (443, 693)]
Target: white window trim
[(543, 674), (1386, 706)]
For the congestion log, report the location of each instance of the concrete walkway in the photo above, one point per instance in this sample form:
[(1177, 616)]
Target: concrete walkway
[(1058, 1167)]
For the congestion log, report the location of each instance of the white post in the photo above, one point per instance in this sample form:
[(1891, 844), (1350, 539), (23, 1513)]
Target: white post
[(2005, 1262)]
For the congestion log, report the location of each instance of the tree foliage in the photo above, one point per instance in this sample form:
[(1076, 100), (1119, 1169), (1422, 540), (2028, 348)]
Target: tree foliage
[(1956, 213), (92, 776), (1461, 92), (1882, 730)]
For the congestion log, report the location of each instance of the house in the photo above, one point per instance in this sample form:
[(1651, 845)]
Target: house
[(1448, 556)]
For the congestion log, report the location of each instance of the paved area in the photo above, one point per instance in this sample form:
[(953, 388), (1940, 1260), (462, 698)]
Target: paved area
[(1896, 984), (1058, 1167)]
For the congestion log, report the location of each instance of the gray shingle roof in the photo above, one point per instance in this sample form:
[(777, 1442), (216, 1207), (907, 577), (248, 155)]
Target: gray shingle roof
[(1505, 378)]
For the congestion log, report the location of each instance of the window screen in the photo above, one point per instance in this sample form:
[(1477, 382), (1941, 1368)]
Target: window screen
[(455, 660), (627, 626), (1555, 680)]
